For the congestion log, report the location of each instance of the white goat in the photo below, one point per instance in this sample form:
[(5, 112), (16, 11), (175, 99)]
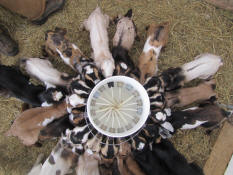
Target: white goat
[(203, 67), (44, 71), (97, 24)]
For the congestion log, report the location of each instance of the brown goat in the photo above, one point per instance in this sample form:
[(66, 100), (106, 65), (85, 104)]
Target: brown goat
[(128, 166), (157, 36), (28, 124), (187, 96)]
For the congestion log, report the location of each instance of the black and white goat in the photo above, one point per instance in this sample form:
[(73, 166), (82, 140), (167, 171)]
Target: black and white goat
[(207, 115)]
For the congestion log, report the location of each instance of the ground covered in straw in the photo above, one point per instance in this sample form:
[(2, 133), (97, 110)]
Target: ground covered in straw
[(196, 27)]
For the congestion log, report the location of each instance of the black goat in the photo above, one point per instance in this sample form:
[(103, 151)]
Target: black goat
[(16, 84), (163, 159)]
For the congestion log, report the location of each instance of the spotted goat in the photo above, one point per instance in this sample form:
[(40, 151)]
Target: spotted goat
[(60, 162), (56, 43)]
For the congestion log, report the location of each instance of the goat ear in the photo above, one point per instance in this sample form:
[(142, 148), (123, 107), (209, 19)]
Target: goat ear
[(115, 19), (62, 31), (129, 13), (147, 27)]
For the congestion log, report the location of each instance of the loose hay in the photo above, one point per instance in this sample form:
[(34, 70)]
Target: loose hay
[(196, 27)]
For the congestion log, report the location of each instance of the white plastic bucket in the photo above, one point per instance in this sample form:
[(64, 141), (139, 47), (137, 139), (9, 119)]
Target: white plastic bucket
[(118, 106)]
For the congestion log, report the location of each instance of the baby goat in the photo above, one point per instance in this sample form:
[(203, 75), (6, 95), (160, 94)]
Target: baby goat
[(44, 71), (88, 164), (203, 67), (157, 36), (56, 43), (123, 40), (163, 159), (28, 124), (186, 96), (209, 115), (97, 24), (59, 162), (14, 83)]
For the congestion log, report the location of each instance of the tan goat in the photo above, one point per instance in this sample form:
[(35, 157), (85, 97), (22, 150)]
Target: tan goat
[(187, 96), (28, 124)]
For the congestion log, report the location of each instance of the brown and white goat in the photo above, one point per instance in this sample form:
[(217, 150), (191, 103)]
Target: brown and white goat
[(157, 36), (44, 71), (186, 96), (59, 162), (27, 125), (56, 43), (97, 24)]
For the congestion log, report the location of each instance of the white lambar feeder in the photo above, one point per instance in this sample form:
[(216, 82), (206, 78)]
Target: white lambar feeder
[(118, 106)]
